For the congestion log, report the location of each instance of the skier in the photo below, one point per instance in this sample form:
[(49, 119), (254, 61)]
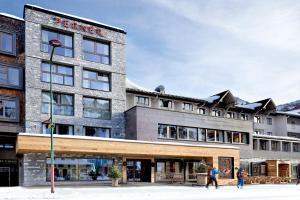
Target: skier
[(240, 176), (212, 176)]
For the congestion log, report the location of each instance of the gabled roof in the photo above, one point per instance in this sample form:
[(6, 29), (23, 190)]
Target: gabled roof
[(224, 97), (73, 17), (259, 106)]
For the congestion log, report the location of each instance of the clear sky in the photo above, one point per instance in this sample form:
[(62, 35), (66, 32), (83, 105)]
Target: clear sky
[(198, 48)]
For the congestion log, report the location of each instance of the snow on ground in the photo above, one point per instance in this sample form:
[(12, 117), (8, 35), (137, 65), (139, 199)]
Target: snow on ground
[(163, 192)]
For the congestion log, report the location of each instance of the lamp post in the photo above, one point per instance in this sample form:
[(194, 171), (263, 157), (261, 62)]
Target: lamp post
[(54, 43)]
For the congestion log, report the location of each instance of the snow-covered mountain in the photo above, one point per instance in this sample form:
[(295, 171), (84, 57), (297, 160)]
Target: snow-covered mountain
[(289, 106)]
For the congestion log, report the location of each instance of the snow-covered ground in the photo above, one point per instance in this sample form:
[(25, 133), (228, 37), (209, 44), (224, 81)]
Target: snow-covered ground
[(164, 192)]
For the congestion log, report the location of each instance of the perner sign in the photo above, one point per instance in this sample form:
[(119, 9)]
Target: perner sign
[(80, 27)]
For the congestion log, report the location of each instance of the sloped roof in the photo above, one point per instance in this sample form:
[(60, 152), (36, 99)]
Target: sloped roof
[(11, 16)]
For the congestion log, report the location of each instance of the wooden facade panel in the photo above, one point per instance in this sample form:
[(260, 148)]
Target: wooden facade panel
[(34, 144)]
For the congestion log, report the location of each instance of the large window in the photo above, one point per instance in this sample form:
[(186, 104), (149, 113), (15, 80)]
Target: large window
[(140, 100), (187, 133), (80, 169), (59, 129), (96, 108), (7, 43), (63, 104), (60, 74), (8, 109), (11, 76), (163, 103), (241, 138), (96, 80), (96, 132), (67, 43), (167, 131), (96, 51)]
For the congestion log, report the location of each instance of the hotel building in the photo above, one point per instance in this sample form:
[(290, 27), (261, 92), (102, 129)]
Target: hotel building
[(101, 119)]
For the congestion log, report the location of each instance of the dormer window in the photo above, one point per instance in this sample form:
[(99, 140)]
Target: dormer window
[(216, 113), (163, 103), (201, 111), (230, 115), (142, 100), (187, 106)]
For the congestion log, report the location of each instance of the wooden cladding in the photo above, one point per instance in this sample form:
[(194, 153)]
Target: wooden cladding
[(41, 144)]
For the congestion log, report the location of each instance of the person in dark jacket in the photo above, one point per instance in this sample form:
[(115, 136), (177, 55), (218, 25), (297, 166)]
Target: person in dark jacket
[(212, 176), (240, 176), (298, 174)]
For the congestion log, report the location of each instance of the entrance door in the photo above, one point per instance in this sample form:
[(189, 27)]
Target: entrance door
[(4, 176), (139, 170)]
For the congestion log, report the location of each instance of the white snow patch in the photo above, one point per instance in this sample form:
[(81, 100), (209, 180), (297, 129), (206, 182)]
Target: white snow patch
[(132, 85), (251, 106), (82, 18), (293, 112), (11, 16), (212, 98)]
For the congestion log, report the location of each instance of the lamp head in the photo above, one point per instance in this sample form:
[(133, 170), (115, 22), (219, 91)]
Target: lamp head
[(55, 43)]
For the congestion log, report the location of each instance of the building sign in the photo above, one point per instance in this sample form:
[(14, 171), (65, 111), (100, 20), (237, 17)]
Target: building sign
[(79, 26)]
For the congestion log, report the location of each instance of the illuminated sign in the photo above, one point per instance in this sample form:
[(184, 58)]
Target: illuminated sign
[(79, 27)]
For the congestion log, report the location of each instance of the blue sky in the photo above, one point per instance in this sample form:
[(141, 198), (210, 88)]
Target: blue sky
[(198, 48)]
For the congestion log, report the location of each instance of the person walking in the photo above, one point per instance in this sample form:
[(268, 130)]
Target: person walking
[(240, 176), (212, 172), (298, 174)]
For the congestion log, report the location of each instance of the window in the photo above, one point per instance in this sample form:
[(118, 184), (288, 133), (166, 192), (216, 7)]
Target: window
[(60, 74), (220, 136), (11, 76), (201, 111), (187, 133), (259, 131), (244, 138), (228, 136), (269, 121), (97, 132), (216, 113), (244, 117), (63, 104), (167, 131), (263, 145), (269, 133), (96, 108), (7, 43), (257, 119), (296, 147), (286, 146), (67, 43), (230, 115), (211, 135), (255, 146), (165, 103), (59, 129), (187, 106), (275, 146), (8, 109), (202, 134), (241, 138), (96, 80), (96, 51), (142, 100), (236, 137)]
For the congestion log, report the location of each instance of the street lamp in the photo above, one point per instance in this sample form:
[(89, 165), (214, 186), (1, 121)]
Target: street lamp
[(54, 43)]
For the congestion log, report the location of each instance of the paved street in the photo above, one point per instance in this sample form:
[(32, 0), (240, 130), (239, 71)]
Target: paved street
[(253, 192)]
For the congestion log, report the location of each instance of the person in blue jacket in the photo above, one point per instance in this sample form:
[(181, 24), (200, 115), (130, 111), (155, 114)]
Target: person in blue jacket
[(212, 176), (240, 176)]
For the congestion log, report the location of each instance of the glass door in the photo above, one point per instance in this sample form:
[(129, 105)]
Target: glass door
[(134, 170)]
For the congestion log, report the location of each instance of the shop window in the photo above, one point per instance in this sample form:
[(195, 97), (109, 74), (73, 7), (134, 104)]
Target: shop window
[(165, 104), (141, 100), (96, 80), (96, 108), (60, 74), (97, 132), (96, 51), (66, 39), (59, 129), (63, 104)]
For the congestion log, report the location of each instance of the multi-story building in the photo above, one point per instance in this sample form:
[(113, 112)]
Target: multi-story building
[(11, 95), (103, 120)]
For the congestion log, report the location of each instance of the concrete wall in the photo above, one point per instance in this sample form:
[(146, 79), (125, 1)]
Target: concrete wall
[(35, 20), (145, 126)]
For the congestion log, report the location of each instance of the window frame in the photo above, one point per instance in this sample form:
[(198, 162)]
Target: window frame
[(60, 93), (58, 32), (108, 128), (168, 108), (96, 80), (14, 43), (60, 74), (95, 41), (190, 106), (144, 97), (168, 132), (203, 111), (17, 102), (21, 72), (187, 131), (269, 120), (96, 98)]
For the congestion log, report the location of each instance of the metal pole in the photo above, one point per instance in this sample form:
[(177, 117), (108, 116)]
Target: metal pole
[(51, 126)]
